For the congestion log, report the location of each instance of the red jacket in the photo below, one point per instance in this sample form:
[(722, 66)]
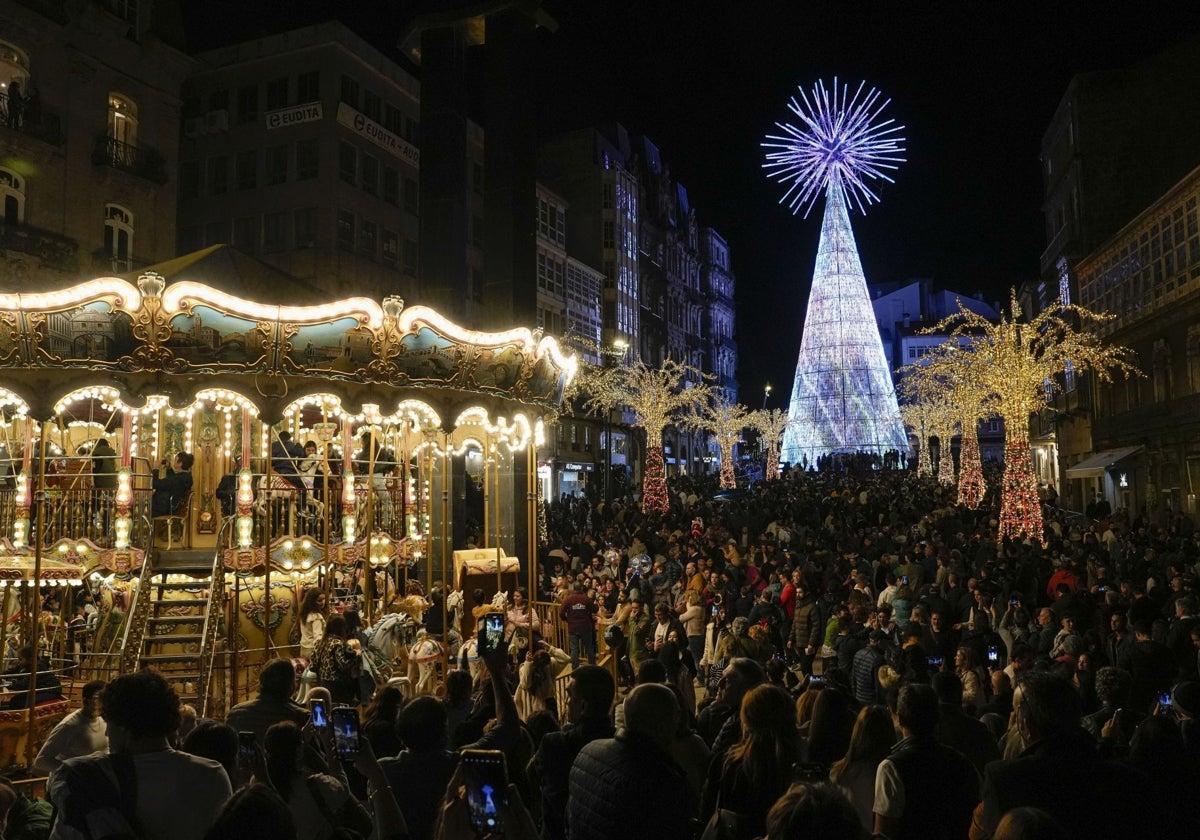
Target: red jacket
[(577, 610)]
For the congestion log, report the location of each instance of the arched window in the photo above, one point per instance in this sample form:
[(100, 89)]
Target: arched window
[(12, 191), (118, 237), (122, 119)]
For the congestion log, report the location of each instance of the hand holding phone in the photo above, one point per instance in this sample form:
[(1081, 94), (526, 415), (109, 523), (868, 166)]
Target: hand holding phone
[(318, 714), (246, 750), (486, 777), (345, 731), (993, 654)]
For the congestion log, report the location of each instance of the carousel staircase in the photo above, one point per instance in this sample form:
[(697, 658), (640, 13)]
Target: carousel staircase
[(175, 621)]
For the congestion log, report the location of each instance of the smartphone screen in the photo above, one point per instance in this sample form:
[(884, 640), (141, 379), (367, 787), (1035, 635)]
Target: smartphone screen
[(493, 626), (486, 777), (345, 731), (319, 714), (935, 662), (904, 580), (246, 741), (1164, 700), (993, 654)]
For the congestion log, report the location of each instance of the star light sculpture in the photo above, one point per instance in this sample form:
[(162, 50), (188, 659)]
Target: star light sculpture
[(1017, 362), (843, 399)]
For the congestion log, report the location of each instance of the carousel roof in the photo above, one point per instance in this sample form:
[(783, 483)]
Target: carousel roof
[(229, 270)]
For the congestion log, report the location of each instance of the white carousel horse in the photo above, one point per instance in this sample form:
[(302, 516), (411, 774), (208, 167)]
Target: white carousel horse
[(454, 614), (389, 638), (425, 655), (469, 653)]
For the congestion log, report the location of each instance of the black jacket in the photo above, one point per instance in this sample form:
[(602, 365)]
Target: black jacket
[(626, 781), (551, 765)]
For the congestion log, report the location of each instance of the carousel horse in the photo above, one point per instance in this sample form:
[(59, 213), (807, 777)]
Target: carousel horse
[(454, 612), (390, 637), (425, 656), (468, 658)]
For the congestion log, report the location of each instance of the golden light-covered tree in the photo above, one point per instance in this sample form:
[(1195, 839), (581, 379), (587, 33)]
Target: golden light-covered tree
[(656, 397), (725, 421), (771, 423), (1018, 363)]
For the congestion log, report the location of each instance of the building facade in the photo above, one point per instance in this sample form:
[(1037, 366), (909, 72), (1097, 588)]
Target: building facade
[(89, 121)]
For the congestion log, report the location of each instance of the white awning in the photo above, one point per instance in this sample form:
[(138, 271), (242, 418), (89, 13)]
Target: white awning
[(1098, 464)]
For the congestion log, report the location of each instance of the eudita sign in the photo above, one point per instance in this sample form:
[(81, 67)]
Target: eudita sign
[(377, 134), (310, 112)]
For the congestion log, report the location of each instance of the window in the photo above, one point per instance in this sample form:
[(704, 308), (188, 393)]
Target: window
[(118, 237), (370, 174), (345, 230), (218, 175), (610, 235), (350, 92), (245, 234), (393, 120), (391, 247), (246, 168), (372, 107), (347, 162), (12, 190), (306, 227), (122, 119), (247, 104), (216, 233), (307, 159), (275, 227), (412, 196), (368, 236), (391, 185), (277, 93), (409, 264), (308, 86), (218, 100), (189, 179), (277, 165)]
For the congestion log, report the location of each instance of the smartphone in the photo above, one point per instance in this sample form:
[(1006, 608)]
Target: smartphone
[(993, 654), (1102, 589), (318, 713), (486, 778), (493, 632), (714, 609), (1164, 701), (816, 680), (246, 743), (935, 662), (345, 731), (1014, 602), (904, 579)]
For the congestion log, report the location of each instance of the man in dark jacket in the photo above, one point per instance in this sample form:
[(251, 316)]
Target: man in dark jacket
[(274, 704), (589, 697), (172, 487), (630, 785), (923, 789), (863, 674), (959, 730)]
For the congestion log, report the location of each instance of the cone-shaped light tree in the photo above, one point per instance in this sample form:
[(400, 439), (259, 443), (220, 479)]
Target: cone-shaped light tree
[(724, 421), (655, 396), (1018, 361), (946, 374), (771, 424)]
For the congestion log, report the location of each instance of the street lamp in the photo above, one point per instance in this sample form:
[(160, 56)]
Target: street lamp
[(616, 353), (766, 393)]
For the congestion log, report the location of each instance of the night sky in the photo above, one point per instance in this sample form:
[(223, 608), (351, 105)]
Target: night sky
[(975, 83)]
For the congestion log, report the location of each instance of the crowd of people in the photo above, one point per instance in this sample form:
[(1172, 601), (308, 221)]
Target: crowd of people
[(837, 654)]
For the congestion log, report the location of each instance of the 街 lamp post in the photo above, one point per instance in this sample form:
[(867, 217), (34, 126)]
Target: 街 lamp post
[(766, 394), (615, 354)]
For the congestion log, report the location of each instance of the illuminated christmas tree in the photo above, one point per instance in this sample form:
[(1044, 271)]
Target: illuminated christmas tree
[(843, 399), (771, 424)]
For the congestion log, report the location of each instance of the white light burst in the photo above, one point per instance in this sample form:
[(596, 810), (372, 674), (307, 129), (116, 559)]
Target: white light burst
[(842, 143)]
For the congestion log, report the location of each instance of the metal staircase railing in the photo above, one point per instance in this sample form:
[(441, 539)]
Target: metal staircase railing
[(212, 614), (139, 612)]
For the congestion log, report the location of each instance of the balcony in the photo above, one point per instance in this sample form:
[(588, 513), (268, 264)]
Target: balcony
[(34, 121), (51, 249), (141, 161)]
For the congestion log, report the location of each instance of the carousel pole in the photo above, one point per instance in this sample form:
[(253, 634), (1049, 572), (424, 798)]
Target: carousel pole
[(531, 513), (266, 602), (446, 556), (36, 607), (368, 571)]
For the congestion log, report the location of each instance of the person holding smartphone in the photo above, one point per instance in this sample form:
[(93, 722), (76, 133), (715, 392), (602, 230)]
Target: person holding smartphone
[(321, 802)]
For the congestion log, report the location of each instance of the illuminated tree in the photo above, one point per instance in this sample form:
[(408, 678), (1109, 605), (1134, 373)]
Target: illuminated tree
[(919, 416), (1017, 363), (771, 424), (724, 421), (655, 397), (842, 398), (946, 374)]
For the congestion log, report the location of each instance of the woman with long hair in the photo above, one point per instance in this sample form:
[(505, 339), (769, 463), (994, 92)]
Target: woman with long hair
[(872, 739), (830, 728), (379, 722), (320, 804), (314, 614), (336, 663), (966, 666), (758, 769), (535, 685), (521, 617)]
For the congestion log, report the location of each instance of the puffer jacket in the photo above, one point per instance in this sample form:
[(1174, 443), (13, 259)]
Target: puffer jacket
[(623, 787)]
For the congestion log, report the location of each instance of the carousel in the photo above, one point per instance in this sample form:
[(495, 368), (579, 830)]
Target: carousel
[(375, 451)]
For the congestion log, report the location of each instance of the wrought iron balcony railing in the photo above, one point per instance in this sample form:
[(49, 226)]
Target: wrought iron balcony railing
[(142, 161)]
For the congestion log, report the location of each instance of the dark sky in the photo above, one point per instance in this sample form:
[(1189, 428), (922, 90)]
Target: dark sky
[(976, 84)]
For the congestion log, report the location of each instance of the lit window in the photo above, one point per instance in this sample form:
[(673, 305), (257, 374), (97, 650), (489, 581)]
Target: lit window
[(12, 190)]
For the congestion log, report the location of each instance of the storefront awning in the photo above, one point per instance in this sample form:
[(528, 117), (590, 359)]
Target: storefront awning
[(1097, 464)]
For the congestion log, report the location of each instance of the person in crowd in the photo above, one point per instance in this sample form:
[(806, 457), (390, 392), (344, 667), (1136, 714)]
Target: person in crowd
[(418, 774), (172, 485), (590, 695), (923, 789), (174, 796), (336, 663), (871, 742), (80, 733), (632, 773), (218, 741), (320, 803), (255, 812), (864, 673), (814, 810), (719, 722), (274, 704), (379, 721), (286, 457), (104, 466), (579, 612), (314, 614), (535, 680), (757, 770), (957, 729), (47, 685)]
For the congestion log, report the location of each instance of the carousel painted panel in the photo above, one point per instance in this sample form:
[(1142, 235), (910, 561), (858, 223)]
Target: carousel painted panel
[(206, 339), (258, 619)]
